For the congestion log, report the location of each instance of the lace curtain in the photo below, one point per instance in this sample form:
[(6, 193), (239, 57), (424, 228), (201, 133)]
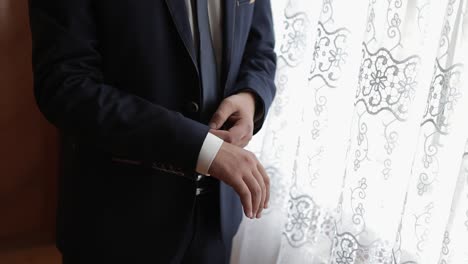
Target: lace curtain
[(365, 142)]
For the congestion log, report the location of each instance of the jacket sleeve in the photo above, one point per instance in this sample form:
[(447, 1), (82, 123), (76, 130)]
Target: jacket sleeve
[(71, 92), (258, 67)]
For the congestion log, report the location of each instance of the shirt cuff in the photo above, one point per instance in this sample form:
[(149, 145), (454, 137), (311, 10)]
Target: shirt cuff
[(208, 152)]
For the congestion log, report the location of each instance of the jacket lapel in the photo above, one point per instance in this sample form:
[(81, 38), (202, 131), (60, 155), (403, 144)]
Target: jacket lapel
[(179, 14), (229, 32)]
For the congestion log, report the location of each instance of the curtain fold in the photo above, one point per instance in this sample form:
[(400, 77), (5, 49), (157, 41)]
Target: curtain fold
[(365, 142)]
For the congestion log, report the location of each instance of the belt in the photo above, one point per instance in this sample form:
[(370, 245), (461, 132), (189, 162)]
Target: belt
[(205, 185)]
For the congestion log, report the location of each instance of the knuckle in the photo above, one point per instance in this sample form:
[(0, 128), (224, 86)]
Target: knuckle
[(244, 193), (218, 115), (237, 177), (253, 157), (227, 104), (253, 162), (234, 183), (247, 158), (257, 190), (229, 138)]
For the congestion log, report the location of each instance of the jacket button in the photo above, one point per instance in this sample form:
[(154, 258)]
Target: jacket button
[(193, 107)]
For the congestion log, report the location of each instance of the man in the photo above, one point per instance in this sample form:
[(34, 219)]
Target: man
[(143, 92)]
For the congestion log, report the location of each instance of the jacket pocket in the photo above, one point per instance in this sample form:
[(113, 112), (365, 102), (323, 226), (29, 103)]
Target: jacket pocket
[(154, 166)]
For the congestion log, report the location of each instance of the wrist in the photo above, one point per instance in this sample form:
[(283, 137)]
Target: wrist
[(250, 100)]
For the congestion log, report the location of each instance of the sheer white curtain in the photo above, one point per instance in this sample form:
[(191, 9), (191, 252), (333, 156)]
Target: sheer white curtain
[(365, 143)]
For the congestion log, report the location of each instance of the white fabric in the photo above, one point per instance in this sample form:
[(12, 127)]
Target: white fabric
[(365, 142), (208, 152)]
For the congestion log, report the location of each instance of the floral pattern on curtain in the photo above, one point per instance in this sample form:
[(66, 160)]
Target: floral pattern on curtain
[(365, 142)]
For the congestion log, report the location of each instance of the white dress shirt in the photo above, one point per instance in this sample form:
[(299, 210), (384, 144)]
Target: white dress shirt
[(212, 143)]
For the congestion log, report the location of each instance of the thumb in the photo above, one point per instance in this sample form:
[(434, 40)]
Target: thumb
[(225, 110)]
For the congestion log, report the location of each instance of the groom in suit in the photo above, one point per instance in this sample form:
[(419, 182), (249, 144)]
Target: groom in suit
[(155, 100)]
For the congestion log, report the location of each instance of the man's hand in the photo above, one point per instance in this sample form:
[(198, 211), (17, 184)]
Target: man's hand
[(236, 114), (241, 170)]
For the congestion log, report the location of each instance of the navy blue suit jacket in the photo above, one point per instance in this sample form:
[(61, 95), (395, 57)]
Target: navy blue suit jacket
[(120, 80)]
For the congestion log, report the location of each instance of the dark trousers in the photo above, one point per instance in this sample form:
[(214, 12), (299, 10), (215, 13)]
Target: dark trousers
[(203, 242), (206, 245)]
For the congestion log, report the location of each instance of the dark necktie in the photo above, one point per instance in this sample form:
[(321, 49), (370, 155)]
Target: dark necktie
[(207, 62)]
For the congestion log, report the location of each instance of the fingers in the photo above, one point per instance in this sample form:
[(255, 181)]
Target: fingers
[(222, 134), (229, 137), (255, 192), (266, 180), (241, 170), (225, 110), (245, 197), (235, 136), (258, 176), (241, 133)]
